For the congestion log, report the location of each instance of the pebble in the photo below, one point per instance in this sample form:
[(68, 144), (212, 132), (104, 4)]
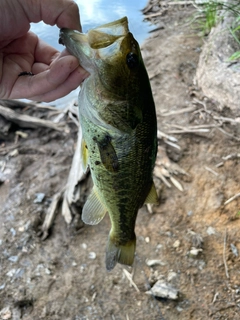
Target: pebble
[(159, 246), (147, 239), (162, 289), (6, 313), (210, 231), (13, 258), (47, 271), (194, 252), (92, 255), (155, 262), (11, 272), (39, 197), (21, 229), (176, 244), (84, 246), (234, 249), (13, 231), (171, 276), (14, 153)]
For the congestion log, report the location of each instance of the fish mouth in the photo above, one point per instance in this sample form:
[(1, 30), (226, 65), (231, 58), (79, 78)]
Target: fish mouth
[(61, 36)]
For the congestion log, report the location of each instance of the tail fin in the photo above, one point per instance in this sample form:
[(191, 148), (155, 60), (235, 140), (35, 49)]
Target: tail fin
[(123, 254)]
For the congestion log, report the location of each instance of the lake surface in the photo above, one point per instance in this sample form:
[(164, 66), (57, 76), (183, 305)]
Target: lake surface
[(94, 13)]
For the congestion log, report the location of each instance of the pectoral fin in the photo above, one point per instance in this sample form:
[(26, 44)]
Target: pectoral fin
[(93, 210), (152, 196), (108, 154)]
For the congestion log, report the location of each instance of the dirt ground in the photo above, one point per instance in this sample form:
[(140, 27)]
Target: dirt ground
[(192, 233)]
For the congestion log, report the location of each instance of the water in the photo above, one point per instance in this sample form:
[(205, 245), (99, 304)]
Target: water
[(94, 13)]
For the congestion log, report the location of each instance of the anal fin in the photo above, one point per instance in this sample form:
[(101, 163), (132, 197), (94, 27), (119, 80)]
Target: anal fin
[(93, 210), (152, 197)]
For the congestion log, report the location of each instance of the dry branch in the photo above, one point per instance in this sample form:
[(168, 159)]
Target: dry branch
[(224, 254), (51, 214), (76, 175), (232, 198), (27, 121)]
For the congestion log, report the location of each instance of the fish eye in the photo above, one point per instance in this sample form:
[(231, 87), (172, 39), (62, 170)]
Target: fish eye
[(132, 60)]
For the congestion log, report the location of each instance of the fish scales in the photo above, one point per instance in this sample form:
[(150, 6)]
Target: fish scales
[(118, 119)]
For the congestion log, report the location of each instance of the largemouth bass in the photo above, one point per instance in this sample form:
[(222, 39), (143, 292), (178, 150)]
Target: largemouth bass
[(118, 119)]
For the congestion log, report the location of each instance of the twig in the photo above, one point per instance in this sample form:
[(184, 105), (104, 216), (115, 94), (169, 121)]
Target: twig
[(202, 126), (174, 145), (129, 276), (176, 183), (232, 198), (153, 15), (51, 213), (215, 297), (172, 113), (224, 119), (161, 134), (189, 131), (224, 254), (228, 134), (211, 170), (231, 156), (26, 121), (228, 157), (168, 139)]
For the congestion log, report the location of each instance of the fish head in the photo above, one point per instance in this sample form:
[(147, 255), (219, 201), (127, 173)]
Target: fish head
[(109, 52)]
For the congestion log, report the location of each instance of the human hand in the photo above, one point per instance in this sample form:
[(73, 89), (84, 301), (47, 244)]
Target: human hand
[(55, 74)]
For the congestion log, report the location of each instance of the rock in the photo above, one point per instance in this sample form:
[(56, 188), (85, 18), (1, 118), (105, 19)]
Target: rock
[(194, 252), (13, 258), (11, 273), (218, 77), (234, 249), (92, 255), (172, 276), (84, 246), (210, 231), (147, 239), (155, 262), (6, 313), (164, 290), (39, 197), (176, 244)]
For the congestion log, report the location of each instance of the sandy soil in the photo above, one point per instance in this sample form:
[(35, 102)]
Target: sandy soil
[(64, 277)]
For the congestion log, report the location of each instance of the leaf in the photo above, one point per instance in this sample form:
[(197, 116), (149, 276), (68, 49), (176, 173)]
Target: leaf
[(234, 56)]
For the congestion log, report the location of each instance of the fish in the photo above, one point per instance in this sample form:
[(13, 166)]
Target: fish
[(119, 126)]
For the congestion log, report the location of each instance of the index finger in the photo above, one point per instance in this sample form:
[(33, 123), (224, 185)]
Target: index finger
[(63, 13)]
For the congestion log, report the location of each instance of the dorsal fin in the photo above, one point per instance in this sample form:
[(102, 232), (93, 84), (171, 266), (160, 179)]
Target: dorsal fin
[(93, 210)]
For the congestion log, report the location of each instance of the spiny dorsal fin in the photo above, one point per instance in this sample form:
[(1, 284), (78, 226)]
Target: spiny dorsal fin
[(152, 197), (93, 210)]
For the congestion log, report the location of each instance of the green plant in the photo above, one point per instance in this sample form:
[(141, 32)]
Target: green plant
[(209, 13), (207, 16), (238, 215), (235, 31)]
